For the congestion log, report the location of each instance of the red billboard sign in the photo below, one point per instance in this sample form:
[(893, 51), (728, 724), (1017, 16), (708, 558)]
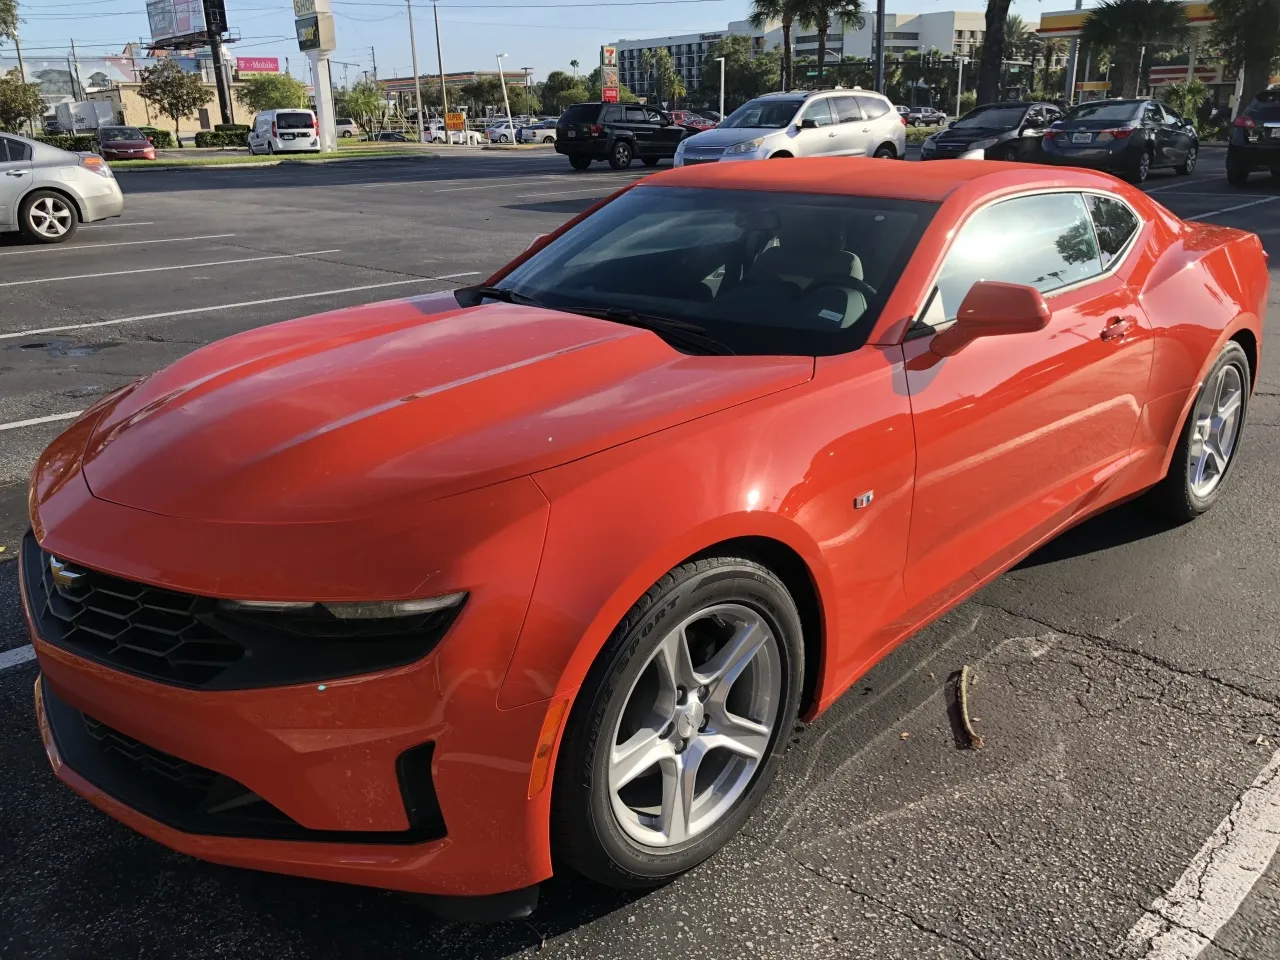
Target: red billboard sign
[(257, 64), (609, 94)]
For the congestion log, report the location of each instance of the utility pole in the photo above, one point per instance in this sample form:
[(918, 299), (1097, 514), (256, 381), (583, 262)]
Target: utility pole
[(417, 77), (444, 96), (1073, 59), (880, 4), (22, 75), (374, 55), (286, 67), (214, 26), (721, 59), (76, 84)]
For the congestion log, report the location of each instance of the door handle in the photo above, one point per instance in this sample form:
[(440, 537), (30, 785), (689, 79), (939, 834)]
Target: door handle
[(17, 173), (831, 134), (1118, 328)]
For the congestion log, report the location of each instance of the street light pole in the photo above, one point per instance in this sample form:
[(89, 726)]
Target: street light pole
[(721, 59), (444, 96), (417, 78), (507, 103), (959, 83), (880, 5)]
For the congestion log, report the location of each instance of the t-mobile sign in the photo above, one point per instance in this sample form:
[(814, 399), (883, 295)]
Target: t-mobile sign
[(257, 64)]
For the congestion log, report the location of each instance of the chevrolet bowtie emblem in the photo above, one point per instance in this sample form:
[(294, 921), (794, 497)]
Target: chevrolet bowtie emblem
[(64, 575)]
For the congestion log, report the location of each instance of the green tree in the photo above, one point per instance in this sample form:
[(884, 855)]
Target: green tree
[(1184, 98), (559, 90), (173, 92), (1020, 41), (482, 92), (658, 66), (1127, 27), (8, 19), (763, 13), (1248, 31), (595, 91), (523, 100), (271, 91), (991, 61), (818, 14), (1051, 50), (745, 76), (365, 104), (19, 101), (575, 65)]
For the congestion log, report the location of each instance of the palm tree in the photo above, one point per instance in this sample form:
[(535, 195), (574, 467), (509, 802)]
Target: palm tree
[(764, 12), (1052, 49), (647, 63), (1129, 27), (574, 64), (819, 14), (1018, 38)]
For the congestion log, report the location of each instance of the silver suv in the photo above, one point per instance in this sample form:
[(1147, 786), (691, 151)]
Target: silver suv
[(825, 123)]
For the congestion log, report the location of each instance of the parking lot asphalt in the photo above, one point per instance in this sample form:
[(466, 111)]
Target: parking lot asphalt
[(1127, 676)]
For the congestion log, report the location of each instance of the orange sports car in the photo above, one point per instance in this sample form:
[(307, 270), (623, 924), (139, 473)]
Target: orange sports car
[(432, 594)]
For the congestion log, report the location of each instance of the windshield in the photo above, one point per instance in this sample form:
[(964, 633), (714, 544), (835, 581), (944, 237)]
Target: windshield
[(1119, 112), (1265, 106), (113, 134), (991, 118), (761, 272), (763, 114), (293, 121)]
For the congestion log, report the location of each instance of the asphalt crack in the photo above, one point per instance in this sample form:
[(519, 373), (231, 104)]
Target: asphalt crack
[(846, 884)]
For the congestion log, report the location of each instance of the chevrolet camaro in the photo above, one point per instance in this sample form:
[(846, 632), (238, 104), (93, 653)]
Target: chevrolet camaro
[(433, 594)]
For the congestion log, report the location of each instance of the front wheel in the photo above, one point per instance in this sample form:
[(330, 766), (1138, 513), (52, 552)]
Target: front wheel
[(548, 139), (48, 217), (1189, 164), (580, 162), (620, 156), (680, 724), (1209, 441)]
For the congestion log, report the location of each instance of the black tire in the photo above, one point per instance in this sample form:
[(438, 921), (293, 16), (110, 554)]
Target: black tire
[(1173, 496), (346, 134), (39, 209), (1009, 153), (780, 155), (885, 151), (1275, 174), (1238, 170), (271, 149), (1188, 165), (1140, 168), (650, 161), (579, 161), (621, 155), (586, 833), (548, 139)]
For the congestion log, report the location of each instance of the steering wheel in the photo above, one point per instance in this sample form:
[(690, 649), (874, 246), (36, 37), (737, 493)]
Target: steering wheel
[(842, 283)]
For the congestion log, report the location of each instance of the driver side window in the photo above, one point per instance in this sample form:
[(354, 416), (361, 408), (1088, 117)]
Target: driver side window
[(1046, 241), (819, 112)]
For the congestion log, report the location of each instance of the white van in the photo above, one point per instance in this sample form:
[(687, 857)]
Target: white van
[(285, 131), (346, 127)]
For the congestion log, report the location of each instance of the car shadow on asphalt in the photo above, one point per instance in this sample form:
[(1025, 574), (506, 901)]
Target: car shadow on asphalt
[(567, 208), (1124, 524)]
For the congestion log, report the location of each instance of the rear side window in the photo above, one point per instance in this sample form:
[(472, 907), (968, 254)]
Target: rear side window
[(634, 114), (13, 151), (344, 122), (610, 115), (1044, 241), (873, 107), (293, 121), (847, 110), (1114, 224), (1265, 107), (581, 113)]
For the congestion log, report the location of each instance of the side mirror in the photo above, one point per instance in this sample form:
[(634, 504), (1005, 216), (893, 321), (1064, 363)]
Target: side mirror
[(807, 124), (993, 309)]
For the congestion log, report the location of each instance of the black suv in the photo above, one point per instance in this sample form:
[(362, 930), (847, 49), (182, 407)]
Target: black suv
[(617, 132), (1255, 138)]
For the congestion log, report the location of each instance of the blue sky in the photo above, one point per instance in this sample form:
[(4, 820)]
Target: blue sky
[(542, 34)]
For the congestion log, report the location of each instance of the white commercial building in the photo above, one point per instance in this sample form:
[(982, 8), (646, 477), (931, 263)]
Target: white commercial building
[(944, 31)]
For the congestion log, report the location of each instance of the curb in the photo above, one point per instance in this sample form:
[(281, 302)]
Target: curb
[(275, 163), (514, 146)]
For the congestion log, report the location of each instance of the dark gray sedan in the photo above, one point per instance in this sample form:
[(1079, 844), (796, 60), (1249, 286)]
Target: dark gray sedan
[(1129, 138)]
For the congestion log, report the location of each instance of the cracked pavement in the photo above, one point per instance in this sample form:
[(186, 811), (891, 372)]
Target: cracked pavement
[(1125, 678)]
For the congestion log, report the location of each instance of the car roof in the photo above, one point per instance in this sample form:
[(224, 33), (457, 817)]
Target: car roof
[(866, 177)]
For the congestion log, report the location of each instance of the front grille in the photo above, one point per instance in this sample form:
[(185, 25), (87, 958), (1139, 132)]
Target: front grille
[(695, 161), (190, 641), (195, 799), (144, 630)]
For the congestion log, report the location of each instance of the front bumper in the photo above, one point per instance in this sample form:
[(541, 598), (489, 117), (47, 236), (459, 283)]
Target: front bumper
[(327, 757)]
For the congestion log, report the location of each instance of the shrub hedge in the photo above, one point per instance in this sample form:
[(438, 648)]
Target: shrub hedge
[(161, 138), (221, 138)]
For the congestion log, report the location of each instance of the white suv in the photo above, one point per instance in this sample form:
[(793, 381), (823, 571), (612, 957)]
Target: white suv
[(825, 123)]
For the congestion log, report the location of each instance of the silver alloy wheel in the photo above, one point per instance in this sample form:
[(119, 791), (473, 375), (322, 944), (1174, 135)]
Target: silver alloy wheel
[(690, 737), (1217, 426), (1144, 166), (1190, 164), (50, 217)]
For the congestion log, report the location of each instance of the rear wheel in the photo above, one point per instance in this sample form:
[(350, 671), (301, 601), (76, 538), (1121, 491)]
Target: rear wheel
[(620, 156), (271, 148), (548, 139), (48, 217), (1210, 438), (680, 724), (1238, 170), (1140, 168), (1189, 164), (580, 162), (886, 152)]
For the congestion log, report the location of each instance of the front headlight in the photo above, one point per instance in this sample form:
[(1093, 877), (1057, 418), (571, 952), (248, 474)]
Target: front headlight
[(984, 144), (746, 146), (680, 147), (429, 616)]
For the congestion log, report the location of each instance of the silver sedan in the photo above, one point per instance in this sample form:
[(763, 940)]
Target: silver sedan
[(47, 193)]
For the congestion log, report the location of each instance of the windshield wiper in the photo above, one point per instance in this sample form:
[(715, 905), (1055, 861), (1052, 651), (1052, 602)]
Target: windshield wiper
[(691, 333), (473, 296)]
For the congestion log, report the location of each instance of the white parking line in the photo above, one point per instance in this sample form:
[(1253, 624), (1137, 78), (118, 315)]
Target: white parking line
[(1238, 206), (36, 421), (494, 186), (118, 243), (234, 306), (12, 658), (1183, 922), (184, 266)]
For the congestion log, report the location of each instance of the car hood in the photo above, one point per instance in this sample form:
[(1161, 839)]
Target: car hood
[(126, 144), (727, 137), (343, 415)]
